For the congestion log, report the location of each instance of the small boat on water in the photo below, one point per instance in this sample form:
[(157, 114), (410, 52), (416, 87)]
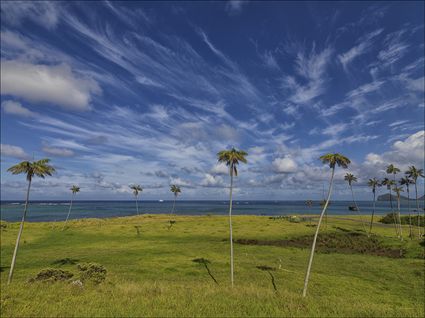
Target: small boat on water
[(160, 200), (352, 208)]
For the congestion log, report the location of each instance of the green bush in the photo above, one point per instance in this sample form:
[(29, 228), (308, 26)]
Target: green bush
[(52, 275), (389, 219), (93, 272)]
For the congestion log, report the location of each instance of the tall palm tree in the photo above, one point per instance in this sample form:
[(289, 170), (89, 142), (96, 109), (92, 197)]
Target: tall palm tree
[(391, 169), (74, 189), (350, 178), (176, 190), (414, 174), (373, 183), (136, 190), (389, 183), (332, 159), (406, 181), (40, 168), (231, 158), (309, 204), (397, 191)]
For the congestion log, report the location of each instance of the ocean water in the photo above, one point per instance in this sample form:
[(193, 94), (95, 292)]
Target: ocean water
[(57, 210)]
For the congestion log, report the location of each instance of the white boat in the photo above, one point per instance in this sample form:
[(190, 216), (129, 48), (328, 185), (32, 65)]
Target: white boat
[(161, 200)]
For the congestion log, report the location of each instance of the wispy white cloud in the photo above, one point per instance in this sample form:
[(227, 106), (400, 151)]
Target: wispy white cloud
[(44, 13), (234, 7), (57, 152), (312, 70), (364, 44)]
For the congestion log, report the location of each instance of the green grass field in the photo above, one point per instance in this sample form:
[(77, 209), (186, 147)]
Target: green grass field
[(152, 274)]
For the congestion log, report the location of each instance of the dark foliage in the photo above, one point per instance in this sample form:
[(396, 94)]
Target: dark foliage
[(389, 219)]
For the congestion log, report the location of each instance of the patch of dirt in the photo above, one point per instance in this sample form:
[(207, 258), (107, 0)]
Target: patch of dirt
[(346, 243)]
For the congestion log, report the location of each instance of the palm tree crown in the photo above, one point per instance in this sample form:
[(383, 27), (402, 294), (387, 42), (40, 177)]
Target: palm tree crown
[(136, 189), (175, 189), (231, 158), (350, 178), (75, 189), (414, 173), (387, 182), (397, 190), (39, 168), (392, 169), (406, 181), (373, 183), (335, 159)]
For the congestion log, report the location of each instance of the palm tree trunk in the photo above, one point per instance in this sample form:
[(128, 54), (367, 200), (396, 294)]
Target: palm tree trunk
[(408, 209), (137, 206), (230, 225), (392, 212), (174, 204), (373, 212), (15, 252), (310, 262), (358, 210), (399, 218), (69, 211), (417, 209)]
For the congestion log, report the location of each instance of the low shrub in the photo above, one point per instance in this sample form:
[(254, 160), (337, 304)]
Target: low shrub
[(92, 272), (389, 219), (52, 275)]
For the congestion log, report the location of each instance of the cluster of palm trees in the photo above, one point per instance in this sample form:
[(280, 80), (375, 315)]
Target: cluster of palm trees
[(232, 158), (410, 178)]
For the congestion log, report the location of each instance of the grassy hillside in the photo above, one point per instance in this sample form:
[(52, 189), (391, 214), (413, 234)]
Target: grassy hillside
[(152, 274)]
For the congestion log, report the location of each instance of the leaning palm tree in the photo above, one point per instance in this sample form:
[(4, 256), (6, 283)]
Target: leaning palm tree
[(74, 189), (397, 191), (231, 158), (389, 183), (406, 181), (136, 189), (40, 168), (414, 174), (350, 178), (176, 190), (332, 159), (373, 183)]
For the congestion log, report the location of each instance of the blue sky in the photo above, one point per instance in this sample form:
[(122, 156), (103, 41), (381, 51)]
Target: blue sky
[(117, 93)]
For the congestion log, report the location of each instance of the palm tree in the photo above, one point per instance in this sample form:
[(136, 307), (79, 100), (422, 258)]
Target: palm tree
[(406, 181), (350, 178), (397, 191), (309, 204), (40, 168), (391, 169), (373, 183), (74, 189), (332, 159), (414, 174), (176, 190), (389, 183), (136, 189), (231, 158)]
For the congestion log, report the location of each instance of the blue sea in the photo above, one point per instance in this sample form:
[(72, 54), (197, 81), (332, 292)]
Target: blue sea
[(57, 210)]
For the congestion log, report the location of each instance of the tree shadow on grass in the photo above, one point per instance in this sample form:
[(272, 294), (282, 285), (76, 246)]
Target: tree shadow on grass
[(3, 268), (65, 261)]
